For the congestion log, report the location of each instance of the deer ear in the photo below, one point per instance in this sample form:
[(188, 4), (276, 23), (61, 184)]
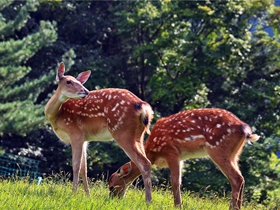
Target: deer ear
[(60, 72), (83, 77), (125, 170)]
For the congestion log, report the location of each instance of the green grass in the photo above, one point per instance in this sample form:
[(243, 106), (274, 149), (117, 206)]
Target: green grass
[(55, 193)]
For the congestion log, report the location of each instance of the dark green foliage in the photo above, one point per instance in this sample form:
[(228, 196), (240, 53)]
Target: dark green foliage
[(18, 94)]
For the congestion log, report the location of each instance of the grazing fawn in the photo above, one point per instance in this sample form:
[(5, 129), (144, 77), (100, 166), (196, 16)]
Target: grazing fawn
[(196, 133), (78, 116)]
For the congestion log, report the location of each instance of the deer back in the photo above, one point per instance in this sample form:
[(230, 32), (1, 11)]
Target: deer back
[(103, 113), (190, 133)]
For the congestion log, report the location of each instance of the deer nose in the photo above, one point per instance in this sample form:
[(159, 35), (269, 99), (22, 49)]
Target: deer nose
[(85, 92)]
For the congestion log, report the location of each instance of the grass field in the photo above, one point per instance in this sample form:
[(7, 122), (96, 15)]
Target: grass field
[(56, 193)]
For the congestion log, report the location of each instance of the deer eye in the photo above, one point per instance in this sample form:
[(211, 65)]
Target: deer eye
[(68, 82)]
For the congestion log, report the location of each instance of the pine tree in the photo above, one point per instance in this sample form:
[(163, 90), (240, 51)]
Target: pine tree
[(18, 109)]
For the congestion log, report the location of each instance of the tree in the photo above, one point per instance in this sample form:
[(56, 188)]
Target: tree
[(18, 108), (27, 42)]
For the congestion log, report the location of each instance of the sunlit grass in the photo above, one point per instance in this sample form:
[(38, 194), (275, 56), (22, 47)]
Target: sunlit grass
[(56, 193)]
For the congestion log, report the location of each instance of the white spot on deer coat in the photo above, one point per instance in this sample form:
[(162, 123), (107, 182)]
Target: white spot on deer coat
[(116, 106), (192, 138), (209, 145)]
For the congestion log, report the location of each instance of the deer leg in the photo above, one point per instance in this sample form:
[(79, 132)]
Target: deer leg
[(77, 149), (146, 169), (144, 165), (135, 153), (175, 167), (84, 168), (237, 184), (230, 169), (240, 183)]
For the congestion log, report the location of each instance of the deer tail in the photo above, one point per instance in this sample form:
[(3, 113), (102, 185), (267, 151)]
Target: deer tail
[(249, 136), (146, 115)]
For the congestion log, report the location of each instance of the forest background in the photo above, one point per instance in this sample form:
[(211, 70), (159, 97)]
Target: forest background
[(176, 55)]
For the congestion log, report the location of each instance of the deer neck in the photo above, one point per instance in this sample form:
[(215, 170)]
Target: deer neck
[(53, 106)]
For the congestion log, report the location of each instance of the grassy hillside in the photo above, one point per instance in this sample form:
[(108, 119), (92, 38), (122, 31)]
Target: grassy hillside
[(56, 193)]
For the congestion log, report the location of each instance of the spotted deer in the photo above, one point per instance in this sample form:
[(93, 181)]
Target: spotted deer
[(196, 133), (78, 116)]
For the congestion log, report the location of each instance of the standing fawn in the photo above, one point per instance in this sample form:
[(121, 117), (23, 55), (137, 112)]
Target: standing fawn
[(78, 116), (216, 133)]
